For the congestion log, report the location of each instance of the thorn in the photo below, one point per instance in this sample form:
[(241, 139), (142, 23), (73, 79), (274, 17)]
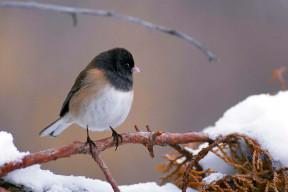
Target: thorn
[(74, 19), (136, 128), (278, 75), (158, 133), (148, 128), (152, 139)]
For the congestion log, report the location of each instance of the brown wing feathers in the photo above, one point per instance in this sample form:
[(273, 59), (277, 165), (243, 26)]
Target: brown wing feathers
[(87, 84)]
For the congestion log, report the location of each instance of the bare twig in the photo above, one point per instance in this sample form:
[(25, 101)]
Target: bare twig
[(74, 12), (194, 161), (77, 147), (182, 151), (98, 159)]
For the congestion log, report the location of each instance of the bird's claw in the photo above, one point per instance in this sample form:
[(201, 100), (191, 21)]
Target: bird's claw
[(91, 144), (117, 138)]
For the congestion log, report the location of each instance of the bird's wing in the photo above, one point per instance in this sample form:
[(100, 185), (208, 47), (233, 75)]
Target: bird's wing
[(79, 82)]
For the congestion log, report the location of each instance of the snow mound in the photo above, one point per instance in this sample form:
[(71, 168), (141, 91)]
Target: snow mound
[(8, 151), (263, 117)]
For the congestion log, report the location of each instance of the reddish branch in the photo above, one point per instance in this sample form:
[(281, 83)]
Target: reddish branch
[(97, 157), (148, 139), (3, 190)]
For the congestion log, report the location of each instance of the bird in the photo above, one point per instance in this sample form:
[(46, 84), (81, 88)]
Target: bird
[(101, 96)]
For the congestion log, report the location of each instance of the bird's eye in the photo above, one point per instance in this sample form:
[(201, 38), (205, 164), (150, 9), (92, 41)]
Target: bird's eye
[(127, 65)]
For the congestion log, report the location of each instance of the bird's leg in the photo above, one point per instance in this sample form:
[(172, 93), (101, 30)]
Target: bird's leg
[(117, 138), (90, 142)]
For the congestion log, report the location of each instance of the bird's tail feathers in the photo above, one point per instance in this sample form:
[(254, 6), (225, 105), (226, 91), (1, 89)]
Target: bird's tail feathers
[(55, 128)]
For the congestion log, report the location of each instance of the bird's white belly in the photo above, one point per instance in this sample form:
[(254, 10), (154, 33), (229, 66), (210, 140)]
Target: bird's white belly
[(109, 108)]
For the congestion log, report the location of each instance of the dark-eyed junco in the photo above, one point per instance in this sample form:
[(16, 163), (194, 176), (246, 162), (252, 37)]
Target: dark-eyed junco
[(101, 96)]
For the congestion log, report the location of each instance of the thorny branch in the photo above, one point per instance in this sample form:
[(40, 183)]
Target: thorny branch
[(74, 12), (148, 139)]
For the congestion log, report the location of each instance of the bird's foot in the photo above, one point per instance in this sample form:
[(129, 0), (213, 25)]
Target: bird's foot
[(90, 142), (117, 138)]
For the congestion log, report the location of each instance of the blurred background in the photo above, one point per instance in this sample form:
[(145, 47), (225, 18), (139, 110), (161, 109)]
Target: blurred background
[(41, 53)]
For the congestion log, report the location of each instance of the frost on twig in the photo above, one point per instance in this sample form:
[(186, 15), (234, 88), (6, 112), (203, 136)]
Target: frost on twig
[(74, 12)]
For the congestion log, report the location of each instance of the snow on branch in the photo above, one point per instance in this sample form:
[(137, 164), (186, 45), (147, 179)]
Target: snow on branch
[(33, 178), (77, 147), (148, 139), (74, 12)]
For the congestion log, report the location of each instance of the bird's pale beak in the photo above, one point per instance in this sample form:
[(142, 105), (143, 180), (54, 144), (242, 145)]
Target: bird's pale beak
[(136, 69)]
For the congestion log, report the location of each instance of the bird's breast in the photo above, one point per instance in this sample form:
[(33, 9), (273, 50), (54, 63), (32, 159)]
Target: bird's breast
[(101, 109)]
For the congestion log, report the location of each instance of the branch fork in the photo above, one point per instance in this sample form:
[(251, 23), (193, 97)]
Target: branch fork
[(151, 139)]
